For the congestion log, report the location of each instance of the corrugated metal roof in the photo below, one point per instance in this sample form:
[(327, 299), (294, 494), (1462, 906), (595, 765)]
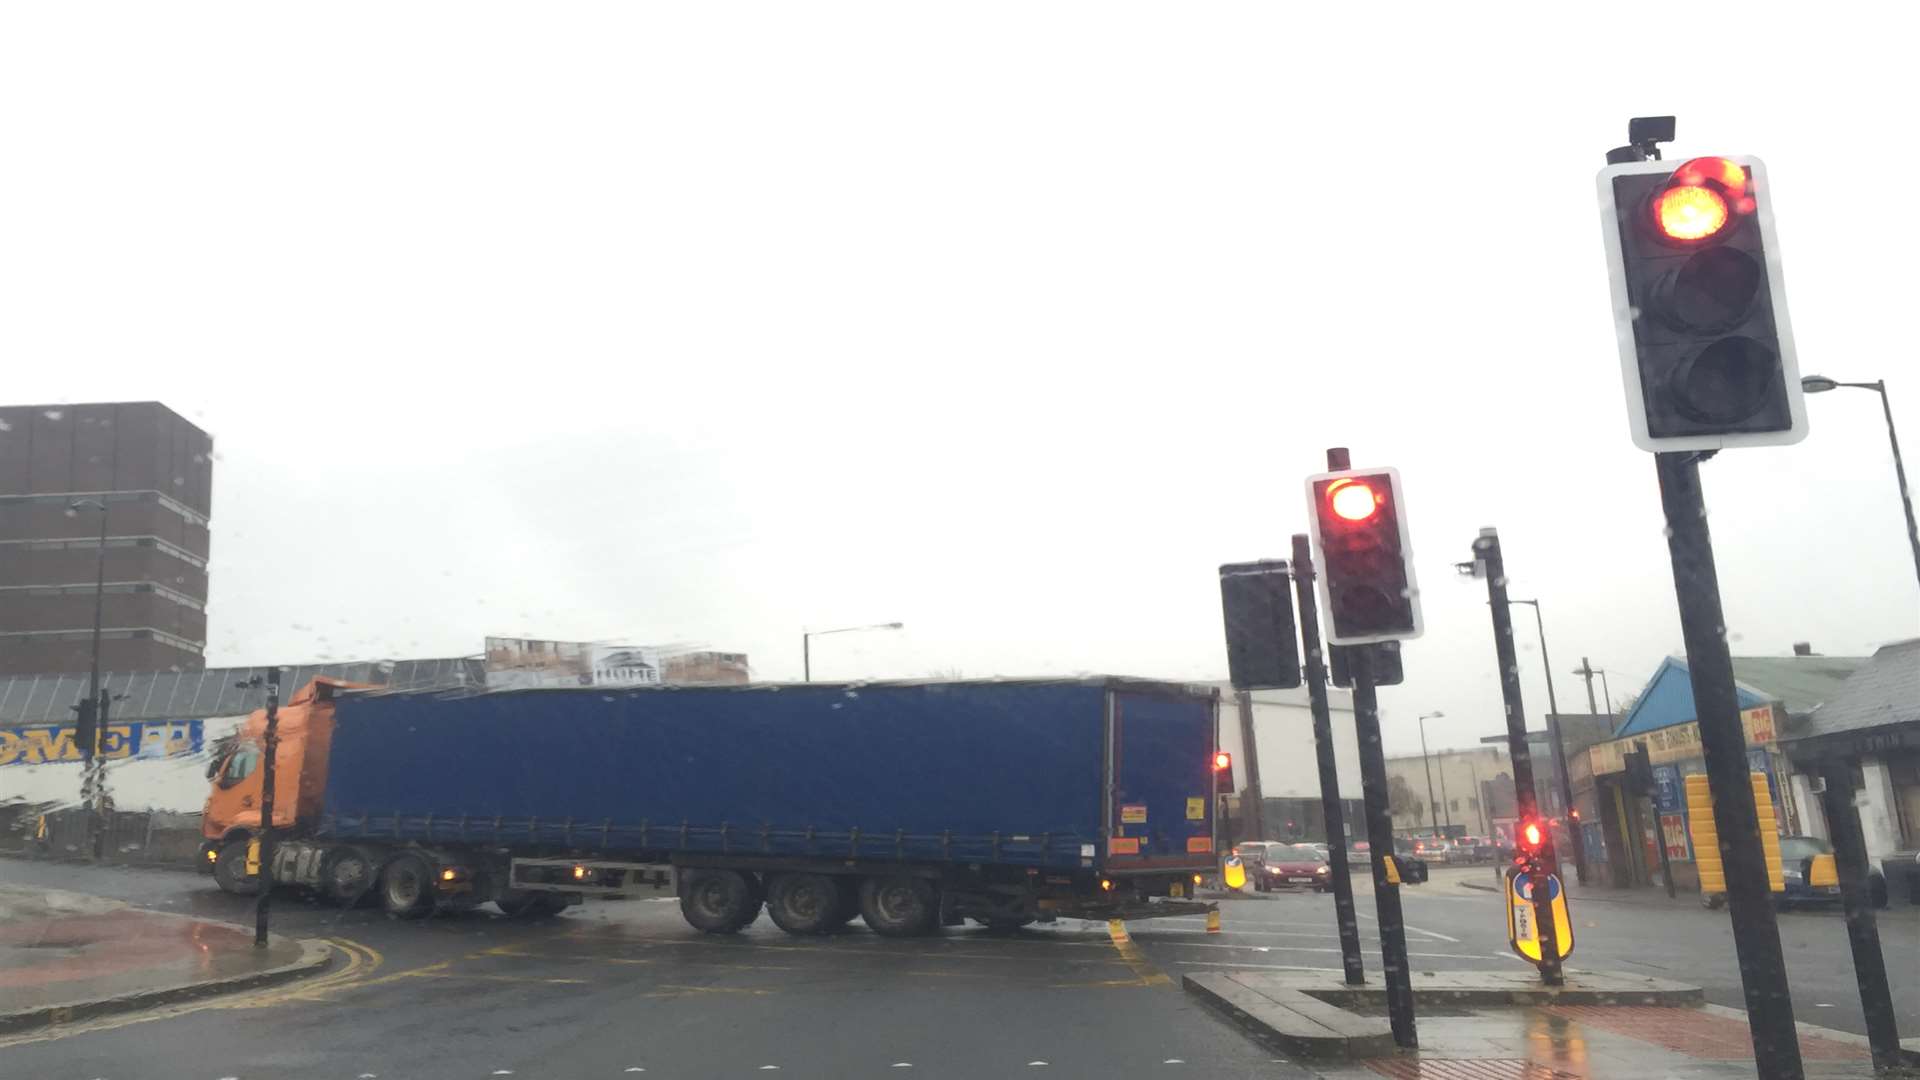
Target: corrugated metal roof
[(188, 695), (1883, 692), (1800, 683)]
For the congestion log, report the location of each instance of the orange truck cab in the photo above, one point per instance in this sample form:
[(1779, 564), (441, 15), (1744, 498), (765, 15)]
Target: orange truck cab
[(231, 818)]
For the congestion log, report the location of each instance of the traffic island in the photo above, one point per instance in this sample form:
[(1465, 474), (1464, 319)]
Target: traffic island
[(1314, 1014), (66, 957)]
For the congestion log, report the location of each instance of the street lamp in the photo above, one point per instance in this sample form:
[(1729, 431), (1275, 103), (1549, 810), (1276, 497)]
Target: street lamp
[(1820, 384), (806, 642), (92, 783), (1559, 748), (1432, 806)]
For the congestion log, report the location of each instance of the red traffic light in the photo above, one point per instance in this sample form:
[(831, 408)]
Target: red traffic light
[(1222, 760), (1353, 500), (1530, 834), (1701, 198)]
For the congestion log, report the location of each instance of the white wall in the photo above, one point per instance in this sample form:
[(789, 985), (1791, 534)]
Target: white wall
[(1283, 723)]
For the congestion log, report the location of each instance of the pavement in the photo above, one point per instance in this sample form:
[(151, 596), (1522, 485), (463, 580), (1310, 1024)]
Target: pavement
[(67, 956), (612, 988)]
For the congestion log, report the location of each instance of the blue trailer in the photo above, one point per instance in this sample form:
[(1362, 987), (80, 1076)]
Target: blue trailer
[(912, 804)]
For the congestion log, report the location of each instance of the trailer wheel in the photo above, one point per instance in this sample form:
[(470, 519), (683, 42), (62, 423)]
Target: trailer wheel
[(406, 887), (719, 901), (347, 878), (230, 870), (898, 906), (804, 903)]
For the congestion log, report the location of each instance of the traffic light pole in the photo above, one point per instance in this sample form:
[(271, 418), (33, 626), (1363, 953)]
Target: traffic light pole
[(1756, 934), (1486, 551), (1386, 895), (1330, 806), (1863, 934), (1256, 817), (272, 740)]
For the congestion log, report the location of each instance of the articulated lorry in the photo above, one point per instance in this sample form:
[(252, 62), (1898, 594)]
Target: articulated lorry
[(909, 804)]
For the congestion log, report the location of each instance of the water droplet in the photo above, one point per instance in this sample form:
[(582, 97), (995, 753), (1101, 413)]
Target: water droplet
[(53, 414)]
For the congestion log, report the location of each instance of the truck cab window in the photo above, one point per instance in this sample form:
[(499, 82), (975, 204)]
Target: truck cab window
[(240, 766)]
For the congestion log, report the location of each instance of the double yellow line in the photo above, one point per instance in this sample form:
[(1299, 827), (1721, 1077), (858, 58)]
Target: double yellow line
[(355, 963)]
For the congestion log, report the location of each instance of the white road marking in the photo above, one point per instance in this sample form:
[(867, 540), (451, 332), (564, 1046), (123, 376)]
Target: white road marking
[(1307, 948), (1407, 926)]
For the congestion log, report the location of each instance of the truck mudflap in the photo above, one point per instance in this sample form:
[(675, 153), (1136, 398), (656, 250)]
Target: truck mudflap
[(1127, 910)]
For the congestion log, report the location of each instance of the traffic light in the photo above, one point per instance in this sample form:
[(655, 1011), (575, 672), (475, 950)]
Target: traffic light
[(86, 727), (1367, 585), (1699, 305), (1263, 652), (1527, 838), (1222, 772)]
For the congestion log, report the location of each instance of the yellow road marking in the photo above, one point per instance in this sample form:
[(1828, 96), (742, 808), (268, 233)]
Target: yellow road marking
[(357, 960), (668, 990), (1143, 971)]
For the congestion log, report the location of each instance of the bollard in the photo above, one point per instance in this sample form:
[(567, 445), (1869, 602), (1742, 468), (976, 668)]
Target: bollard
[(1213, 921)]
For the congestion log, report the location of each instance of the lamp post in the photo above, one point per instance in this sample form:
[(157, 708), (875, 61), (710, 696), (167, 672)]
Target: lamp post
[(1561, 780), (806, 643), (1433, 808), (1820, 384), (93, 779)]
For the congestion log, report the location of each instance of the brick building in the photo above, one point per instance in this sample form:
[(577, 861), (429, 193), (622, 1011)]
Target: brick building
[(152, 472)]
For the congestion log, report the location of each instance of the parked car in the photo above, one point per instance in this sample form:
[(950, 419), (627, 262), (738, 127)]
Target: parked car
[(1253, 855), (1359, 851), (1293, 866), (1798, 857), (1473, 850), (1432, 847)]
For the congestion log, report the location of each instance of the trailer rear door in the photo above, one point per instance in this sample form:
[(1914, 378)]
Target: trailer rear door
[(1160, 815)]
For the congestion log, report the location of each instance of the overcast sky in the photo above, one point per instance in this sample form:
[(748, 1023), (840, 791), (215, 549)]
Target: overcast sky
[(711, 323)]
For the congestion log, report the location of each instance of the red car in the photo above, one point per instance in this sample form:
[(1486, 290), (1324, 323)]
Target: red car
[(1292, 866)]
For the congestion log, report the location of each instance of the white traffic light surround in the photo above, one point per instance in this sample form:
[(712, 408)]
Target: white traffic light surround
[(1396, 498), (1624, 322)]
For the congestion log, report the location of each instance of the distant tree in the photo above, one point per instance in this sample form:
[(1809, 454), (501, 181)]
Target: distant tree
[(1402, 802)]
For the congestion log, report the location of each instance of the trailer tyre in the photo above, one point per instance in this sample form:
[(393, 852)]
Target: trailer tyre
[(230, 870), (720, 901), (406, 887), (899, 906), (804, 903)]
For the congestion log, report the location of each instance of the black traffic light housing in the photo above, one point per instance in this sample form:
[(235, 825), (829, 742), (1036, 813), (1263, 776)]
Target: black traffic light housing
[(1387, 669), (1699, 305), (1263, 650), (1367, 587), (1222, 772)]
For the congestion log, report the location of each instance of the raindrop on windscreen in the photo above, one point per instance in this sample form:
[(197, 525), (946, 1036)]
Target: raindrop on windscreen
[(53, 414), (4, 426)]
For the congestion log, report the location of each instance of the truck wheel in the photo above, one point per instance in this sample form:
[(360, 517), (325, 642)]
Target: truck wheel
[(230, 870), (406, 887), (720, 901), (347, 877), (804, 903), (898, 906)]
